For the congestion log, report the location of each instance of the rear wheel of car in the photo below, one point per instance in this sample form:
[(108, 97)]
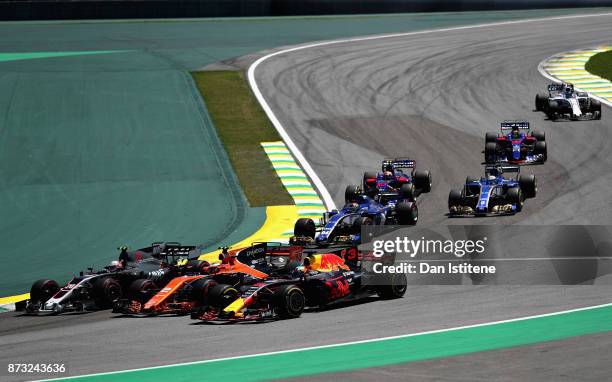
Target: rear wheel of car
[(142, 290), (422, 180), (515, 196), (490, 153), (107, 290), (305, 227), (196, 266), (455, 199), (221, 295), (407, 191), (539, 135), (395, 288), (490, 137), (407, 213), (540, 101), (369, 175), (289, 301), (360, 222), (44, 289), (351, 193), (528, 185), (540, 149)]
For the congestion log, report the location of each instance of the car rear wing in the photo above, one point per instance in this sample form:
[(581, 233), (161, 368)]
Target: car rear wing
[(176, 250), (509, 125), (502, 168), (399, 163)]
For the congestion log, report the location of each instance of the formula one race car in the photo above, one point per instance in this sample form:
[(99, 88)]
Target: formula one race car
[(134, 272), (492, 194), (323, 279), (515, 146), (345, 225), (563, 102), (392, 178), (217, 282)]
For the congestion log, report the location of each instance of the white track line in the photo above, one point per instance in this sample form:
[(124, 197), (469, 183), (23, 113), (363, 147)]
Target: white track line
[(345, 343), (327, 199), (544, 73)]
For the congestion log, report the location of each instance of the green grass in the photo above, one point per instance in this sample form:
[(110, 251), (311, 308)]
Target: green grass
[(601, 65), (242, 125)]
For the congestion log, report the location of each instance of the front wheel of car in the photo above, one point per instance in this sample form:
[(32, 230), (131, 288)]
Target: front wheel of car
[(515, 196), (290, 301), (42, 290), (305, 227)]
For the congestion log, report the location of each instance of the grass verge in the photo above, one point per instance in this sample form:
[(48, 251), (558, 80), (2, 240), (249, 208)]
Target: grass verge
[(601, 65), (242, 125)]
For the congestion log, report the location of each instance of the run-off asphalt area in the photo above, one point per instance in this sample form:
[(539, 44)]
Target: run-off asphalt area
[(431, 96)]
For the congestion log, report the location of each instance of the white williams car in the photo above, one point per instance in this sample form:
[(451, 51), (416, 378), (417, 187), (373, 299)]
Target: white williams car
[(564, 102)]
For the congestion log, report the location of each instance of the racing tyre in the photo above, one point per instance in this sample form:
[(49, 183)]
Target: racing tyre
[(455, 199), (304, 227), (107, 290), (289, 301), (490, 152), (422, 180), (200, 289), (407, 213), (528, 185), (351, 193), (396, 287), (540, 136), (515, 196), (358, 223), (541, 101), (221, 295), (407, 191), (596, 108), (369, 175), (196, 266), (142, 290), (42, 290), (540, 148), (490, 137)]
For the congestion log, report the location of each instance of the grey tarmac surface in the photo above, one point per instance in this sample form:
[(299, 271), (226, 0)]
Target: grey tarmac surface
[(431, 96)]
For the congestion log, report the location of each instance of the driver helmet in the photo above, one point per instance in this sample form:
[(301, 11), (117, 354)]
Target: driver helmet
[(388, 171), (568, 91), (352, 206), (515, 132), (491, 178)]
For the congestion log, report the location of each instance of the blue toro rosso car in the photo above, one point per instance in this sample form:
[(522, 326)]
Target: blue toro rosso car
[(493, 194), (360, 209), (515, 144), (395, 179)]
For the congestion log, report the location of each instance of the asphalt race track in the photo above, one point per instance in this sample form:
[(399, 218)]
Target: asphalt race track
[(430, 96)]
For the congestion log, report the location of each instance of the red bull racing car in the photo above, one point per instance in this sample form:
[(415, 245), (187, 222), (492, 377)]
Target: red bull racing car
[(323, 278)]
